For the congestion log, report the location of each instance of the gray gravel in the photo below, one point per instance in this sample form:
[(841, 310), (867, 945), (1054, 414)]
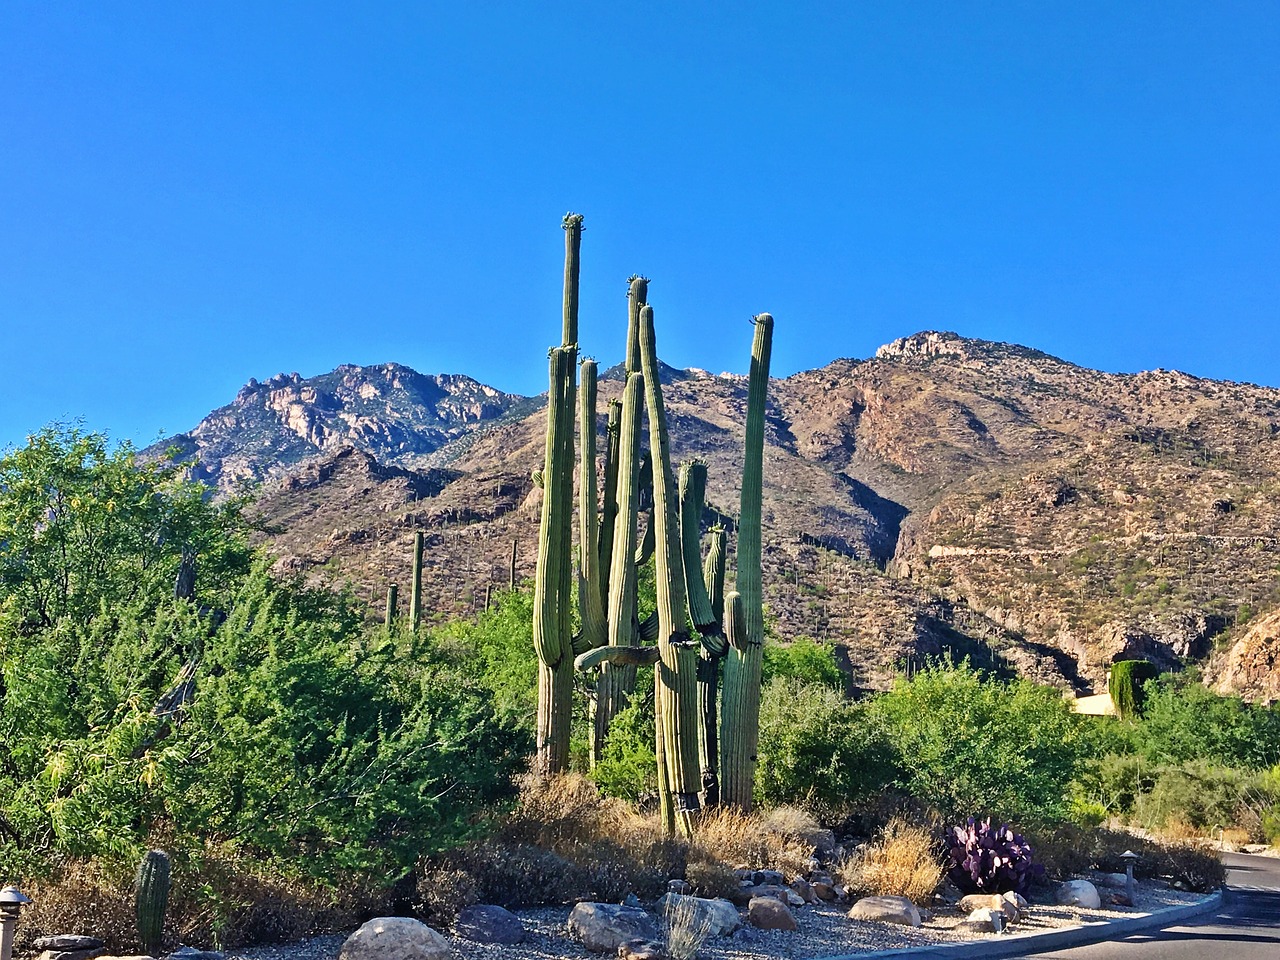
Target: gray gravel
[(825, 930)]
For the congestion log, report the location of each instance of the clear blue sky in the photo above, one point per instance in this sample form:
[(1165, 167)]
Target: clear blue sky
[(192, 194)]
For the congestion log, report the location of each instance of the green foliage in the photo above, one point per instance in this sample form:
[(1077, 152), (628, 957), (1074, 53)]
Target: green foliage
[(804, 660), (818, 748), (279, 726), (1184, 720), (1197, 793), (971, 744), (496, 651), (1125, 685), (84, 528), (628, 767)]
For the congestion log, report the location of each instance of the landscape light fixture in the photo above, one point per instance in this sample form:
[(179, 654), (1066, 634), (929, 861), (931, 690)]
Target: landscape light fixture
[(1130, 888), (12, 900)]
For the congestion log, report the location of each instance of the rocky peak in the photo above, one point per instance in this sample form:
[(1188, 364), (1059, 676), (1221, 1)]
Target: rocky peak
[(388, 411)]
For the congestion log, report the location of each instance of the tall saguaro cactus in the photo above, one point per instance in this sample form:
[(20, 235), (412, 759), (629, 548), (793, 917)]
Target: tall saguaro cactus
[(552, 618), (740, 705), (676, 695)]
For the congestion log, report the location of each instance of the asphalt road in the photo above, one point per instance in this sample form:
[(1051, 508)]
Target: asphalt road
[(1247, 927)]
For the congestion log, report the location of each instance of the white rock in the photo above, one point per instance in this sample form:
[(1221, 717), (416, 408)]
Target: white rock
[(1079, 893), (719, 916), (603, 927), (395, 938), (886, 910), (986, 920)]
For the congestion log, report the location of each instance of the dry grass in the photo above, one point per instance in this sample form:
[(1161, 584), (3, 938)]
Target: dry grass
[(905, 862), (687, 928), (744, 840), (221, 901)]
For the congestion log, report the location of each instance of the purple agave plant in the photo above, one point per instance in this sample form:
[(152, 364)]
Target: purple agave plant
[(982, 859)]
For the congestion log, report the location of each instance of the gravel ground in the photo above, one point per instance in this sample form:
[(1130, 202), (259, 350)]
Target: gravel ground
[(824, 931)]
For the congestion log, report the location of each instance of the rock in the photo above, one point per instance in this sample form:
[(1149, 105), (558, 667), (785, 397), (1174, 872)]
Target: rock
[(804, 890), (487, 923), (1116, 881), (631, 900), (195, 953), (985, 920), (679, 886), (775, 877), (1079, 893), (395, 938), (788, 896), (824, 843), (1120, 900), (603, 927), (886, 910), (641, 950), (719, 916), (87, 954), (825, 891), (991, 901), (770, 913), (66, 941)]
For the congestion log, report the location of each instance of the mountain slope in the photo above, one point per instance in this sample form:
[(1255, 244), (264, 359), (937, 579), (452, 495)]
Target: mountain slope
[(946, 495)]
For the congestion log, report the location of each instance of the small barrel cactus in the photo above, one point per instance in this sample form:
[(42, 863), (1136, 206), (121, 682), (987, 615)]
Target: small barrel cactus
[(152, 899)]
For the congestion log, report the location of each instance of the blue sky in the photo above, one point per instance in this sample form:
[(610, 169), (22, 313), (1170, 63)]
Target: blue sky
[(196, 194)]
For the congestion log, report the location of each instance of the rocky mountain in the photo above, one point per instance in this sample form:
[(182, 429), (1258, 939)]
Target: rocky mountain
[(396, 414), (948, 496)]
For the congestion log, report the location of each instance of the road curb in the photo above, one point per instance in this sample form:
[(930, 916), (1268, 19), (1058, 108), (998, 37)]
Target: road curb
[(1024, 943)]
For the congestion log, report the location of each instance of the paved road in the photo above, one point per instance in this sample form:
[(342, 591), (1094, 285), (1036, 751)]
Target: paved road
[(1247, 927)]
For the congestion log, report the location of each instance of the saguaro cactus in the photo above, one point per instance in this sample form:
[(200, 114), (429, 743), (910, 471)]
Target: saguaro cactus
[(393, 594), (740, 705), (152, 899), (551, 637), (676, 695), (415, 597)]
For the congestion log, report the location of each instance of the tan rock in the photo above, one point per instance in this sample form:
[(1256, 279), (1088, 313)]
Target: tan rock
[(770, 913)]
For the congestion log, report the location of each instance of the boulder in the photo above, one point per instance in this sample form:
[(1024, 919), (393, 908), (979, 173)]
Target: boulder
[(66, 941), (1079, 893), (804, 890), (1116, 881), (985, 920), (641, 950), (824, 890), (195, 953), (886, 910), (395, 938), (604, 927), (992, 901), (759, 877), (745, 895), (87, 954), (719, 916), (487, 923), (770, 913)]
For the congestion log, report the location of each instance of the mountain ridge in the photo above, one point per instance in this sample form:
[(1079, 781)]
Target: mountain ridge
[(947, 493)]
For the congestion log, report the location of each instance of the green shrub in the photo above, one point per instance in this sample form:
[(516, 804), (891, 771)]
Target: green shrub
[(804, 660), (1184, 720), (628, 766), (818, 748), (967, 742)]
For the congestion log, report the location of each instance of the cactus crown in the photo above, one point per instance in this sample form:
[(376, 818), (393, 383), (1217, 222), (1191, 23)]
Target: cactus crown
[(572, 220)]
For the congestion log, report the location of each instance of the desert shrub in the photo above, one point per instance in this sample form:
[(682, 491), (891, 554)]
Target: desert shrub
[(904, 861), (986, 859), (219, 898), (1184, 720), (818, 749), (1125, 685), (804, 660), (969, 742), (1204, 796), (686, 927), (1188, 866), (496, 651), (628, 766), (711, 878)]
